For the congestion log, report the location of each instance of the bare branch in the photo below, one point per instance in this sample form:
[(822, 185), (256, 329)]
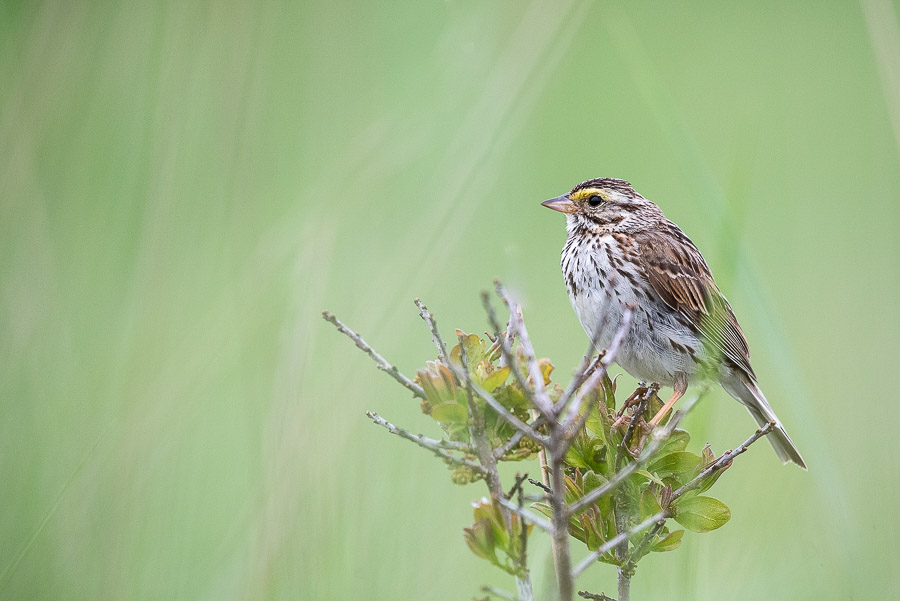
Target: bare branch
[(527, 514), (380, 362), (435, 446), (516, 438), (435, 334), (659, 437), (724, 461), (614, 542)]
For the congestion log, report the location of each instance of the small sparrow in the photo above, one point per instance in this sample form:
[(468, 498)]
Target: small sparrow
[(621, 252)]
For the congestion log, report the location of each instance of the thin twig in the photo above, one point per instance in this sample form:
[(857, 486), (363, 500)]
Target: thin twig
[(574, 408), (562, 558), (435, 446), (658, 439), (638, 552), (477, 435), (636, 415), (506, 341), (541, 399), (587, 367), (380, 361), (541, 485), (517, 486), (723, 461), (435, 334), (594, 596), (509, 445), (516, 438), (523, 557), (502, 411), (718, 464), (527, 514), (604, 361), (614, 541), (498, 593)]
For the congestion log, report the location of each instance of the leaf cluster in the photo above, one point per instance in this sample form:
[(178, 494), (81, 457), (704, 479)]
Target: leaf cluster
[(449, 403)]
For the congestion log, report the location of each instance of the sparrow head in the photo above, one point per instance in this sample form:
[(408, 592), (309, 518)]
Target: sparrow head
[(606, 202)]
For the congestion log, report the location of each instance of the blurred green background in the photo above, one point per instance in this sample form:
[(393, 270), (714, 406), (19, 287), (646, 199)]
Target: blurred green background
[(185, 186)]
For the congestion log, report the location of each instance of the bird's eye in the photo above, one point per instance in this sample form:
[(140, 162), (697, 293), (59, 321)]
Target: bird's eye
[(595, 201)]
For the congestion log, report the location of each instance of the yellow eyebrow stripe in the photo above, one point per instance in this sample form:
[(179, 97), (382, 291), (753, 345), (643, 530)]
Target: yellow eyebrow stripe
[(588, 192)]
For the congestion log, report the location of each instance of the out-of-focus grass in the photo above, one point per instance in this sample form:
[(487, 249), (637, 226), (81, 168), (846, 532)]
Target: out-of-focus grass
[(186, 187)]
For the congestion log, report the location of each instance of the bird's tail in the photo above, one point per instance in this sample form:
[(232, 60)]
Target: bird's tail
[(749, 394)]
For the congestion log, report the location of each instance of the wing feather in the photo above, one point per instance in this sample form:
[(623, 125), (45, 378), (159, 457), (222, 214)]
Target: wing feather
[(678, 274)]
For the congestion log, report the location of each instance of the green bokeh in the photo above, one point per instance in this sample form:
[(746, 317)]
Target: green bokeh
[(185, 186)]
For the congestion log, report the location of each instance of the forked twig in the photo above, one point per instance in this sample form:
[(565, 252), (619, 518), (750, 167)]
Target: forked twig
[(438, 447)]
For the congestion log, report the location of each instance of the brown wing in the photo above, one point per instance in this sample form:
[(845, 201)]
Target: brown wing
[(679, 275)]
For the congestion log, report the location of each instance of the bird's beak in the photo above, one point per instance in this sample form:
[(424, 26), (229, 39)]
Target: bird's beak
[(563, 204)]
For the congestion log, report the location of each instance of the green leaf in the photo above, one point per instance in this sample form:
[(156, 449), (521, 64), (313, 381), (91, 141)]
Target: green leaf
[(592, 480), (587, 452), (677, 441), (707, 482), (480, 539), (682, 465), (451, 412), (701, 514), (668, 543), (649, 504), (650, 477), (495, 379)]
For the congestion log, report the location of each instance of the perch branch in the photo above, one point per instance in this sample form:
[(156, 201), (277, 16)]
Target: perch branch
[(435, 446), (380, 361)]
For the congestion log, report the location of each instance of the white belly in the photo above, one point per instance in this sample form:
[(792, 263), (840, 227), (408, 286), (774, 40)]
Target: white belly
[(654, 347)]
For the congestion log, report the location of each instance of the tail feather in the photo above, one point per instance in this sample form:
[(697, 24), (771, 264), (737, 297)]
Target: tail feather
[(749, 394)]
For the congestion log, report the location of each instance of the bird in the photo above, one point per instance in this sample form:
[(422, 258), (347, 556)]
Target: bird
[(622, 256)]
